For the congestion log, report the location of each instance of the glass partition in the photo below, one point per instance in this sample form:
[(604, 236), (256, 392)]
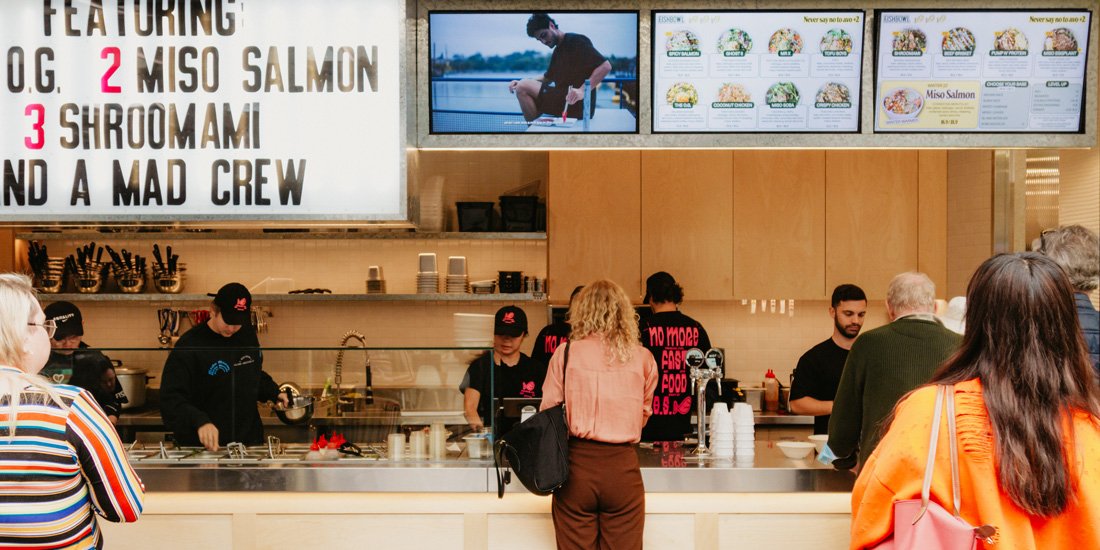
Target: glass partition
[(360, 394)]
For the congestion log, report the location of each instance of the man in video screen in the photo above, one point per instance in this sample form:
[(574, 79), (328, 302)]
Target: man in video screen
[(561, 88)]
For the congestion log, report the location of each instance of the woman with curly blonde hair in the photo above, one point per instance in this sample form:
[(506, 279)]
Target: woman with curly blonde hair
[(608, 392)]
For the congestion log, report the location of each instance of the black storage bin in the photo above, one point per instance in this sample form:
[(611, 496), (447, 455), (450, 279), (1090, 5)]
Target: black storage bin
[(518, 213), (475, 216), (510, 282)]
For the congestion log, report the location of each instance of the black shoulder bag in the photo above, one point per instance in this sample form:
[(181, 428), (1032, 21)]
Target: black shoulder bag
[(537, 449)]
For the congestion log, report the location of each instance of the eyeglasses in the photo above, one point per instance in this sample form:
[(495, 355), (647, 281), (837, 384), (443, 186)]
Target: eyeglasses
[(1043, 238), (49, 325)]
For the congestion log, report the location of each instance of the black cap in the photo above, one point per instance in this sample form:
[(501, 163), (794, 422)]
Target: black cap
[(510, 321), (68, 319), (656, 284), (235, 303)]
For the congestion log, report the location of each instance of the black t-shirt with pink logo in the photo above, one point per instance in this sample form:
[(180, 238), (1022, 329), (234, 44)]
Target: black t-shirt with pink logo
[(548, 340), (668, 335), (524, 379)]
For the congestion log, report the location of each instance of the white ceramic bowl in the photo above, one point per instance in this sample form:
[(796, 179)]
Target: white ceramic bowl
[(795, 449), (819, 441)]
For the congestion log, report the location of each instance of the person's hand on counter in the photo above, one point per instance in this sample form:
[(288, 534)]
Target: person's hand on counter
[(475, 422), (208, 436)]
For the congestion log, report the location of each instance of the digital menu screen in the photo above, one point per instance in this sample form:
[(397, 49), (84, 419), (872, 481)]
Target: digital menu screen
[(510, 72), (757, 71), (981, 71)]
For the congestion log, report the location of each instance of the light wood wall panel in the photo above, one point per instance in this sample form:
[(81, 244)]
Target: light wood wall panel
[(969, 215), (871, 218), (594, 220), (687, 221), (7, 250), (779, 224), (932, 217)]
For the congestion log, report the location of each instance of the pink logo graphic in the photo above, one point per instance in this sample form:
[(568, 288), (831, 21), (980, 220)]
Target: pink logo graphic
[(509, 318), (242, 304), (527, 389), (683, 407)]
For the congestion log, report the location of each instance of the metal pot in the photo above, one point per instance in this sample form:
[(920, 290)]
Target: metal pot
[(298, 411), (133, 382)]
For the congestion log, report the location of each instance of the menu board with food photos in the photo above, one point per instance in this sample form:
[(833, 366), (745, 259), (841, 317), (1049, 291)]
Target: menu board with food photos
[(757, 71), (981, 71)]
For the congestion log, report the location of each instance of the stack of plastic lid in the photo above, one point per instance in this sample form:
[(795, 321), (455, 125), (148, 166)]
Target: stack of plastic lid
[(375, 283), (473, 330), (458, 279), (744, 433), (721, 431), (427, 279)]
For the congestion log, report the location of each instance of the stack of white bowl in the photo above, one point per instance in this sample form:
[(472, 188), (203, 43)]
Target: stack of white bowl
[(375, 283), (744, 427), (473, 330), (721, 431), (427, 279), (458, 279)]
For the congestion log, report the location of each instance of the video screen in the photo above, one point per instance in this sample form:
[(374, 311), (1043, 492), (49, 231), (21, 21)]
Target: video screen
[(956, 71), (533, 72)]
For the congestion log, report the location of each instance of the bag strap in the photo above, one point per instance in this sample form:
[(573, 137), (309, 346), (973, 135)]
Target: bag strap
[(943, 393), (505, 477), (564, 367)]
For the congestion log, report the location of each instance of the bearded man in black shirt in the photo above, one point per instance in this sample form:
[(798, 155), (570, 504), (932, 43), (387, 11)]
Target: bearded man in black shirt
[(561, 89), (818, 372)]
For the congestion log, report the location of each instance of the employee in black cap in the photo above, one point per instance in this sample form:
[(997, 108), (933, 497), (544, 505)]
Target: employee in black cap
[(214, 377), (72, 362), (668, 334), (553, 335), (513, 375)]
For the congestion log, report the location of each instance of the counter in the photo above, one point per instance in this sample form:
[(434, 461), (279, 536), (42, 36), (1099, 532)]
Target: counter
[(664, 471), (776, 504)]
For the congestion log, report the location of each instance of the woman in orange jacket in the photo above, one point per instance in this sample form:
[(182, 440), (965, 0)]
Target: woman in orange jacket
[(1027, 415)]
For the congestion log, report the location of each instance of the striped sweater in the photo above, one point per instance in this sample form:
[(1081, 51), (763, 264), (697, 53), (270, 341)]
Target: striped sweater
[(60, 468)]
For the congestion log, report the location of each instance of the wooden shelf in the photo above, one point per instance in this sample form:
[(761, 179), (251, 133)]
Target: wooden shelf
[(259, 235), (266, 299)]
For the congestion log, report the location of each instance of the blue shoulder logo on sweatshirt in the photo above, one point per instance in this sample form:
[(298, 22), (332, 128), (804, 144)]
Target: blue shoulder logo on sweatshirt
[(218, 366)]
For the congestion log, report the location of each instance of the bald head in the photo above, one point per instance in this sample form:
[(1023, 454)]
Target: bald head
[(910, 292)]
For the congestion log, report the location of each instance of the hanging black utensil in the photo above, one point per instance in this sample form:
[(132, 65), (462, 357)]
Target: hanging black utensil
[(157, 256)]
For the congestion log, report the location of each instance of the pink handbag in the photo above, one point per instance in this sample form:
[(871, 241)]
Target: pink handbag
[(925, 525)]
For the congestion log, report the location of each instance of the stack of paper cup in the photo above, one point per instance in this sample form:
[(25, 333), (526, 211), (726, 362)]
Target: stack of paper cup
[(721, 431), (427, 279), (744, 426)]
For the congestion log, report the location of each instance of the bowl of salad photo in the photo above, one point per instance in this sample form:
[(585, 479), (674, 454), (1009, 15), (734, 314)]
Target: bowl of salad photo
[(734, 41), (902, 104), (682, 95), (681, 42)]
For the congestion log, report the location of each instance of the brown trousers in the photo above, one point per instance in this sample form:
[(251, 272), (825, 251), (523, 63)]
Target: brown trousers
[(603, 503)]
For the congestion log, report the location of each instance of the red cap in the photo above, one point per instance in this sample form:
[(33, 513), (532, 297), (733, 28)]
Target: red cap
[(770, 374)]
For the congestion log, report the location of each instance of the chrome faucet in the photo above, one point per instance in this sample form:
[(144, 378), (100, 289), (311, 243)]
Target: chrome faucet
[(338, 371)]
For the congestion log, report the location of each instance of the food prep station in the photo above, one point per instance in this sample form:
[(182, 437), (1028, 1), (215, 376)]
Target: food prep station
[(670, 469)]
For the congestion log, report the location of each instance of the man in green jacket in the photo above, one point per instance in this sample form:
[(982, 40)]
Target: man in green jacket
[(885, 364)]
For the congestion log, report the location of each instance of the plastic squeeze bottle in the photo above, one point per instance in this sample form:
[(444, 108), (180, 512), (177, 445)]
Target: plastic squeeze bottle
[(771, 392)]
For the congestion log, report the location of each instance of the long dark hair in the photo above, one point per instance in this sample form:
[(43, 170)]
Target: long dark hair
[(1023, 343)]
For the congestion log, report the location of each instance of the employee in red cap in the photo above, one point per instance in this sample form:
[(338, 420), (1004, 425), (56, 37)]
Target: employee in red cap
[(73, 362), (513, 374), (214, 377)]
